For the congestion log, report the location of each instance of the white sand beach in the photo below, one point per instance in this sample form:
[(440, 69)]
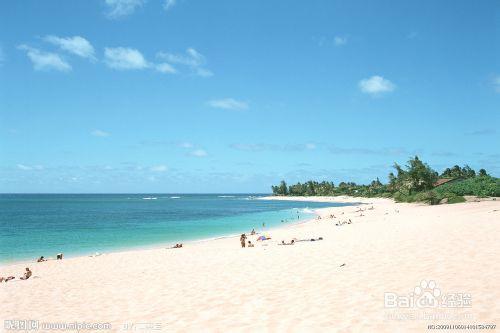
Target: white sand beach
[(337, 284)]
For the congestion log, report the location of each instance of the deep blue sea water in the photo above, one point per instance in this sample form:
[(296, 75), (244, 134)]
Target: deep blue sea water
[(32, 225)]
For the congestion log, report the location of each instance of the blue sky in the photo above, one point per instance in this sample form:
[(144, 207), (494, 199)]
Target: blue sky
[(233, 96)]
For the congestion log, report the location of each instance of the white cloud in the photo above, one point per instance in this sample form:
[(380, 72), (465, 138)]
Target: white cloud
[(192, 59), (168, 4), (186, 145), (45, 60), (123, 58), (310, 146), (196, 56), (76, 45), (376, 85), (23, 167), (338, 40), (204, 72), (99, 133), (199, 153), (29, 167), (165, 68), (119, 8), (228, 104), (496, 84), (159, 168)]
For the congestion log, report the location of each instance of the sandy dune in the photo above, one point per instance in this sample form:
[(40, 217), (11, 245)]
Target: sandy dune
[(336, 284)]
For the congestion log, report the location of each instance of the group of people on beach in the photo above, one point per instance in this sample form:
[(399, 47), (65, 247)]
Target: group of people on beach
[(25, 276), (243, 238), (59, 256)]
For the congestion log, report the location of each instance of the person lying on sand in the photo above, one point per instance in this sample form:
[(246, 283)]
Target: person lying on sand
[(27, 274), (41, 259), (177, 246), (291, 243), (343, 222), (7, 279), (310, 240)]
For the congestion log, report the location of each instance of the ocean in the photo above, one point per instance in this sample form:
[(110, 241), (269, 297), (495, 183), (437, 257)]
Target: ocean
[(32, 225)]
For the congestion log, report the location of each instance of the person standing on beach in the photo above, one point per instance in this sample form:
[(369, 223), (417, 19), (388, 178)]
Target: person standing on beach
[(242, 240)]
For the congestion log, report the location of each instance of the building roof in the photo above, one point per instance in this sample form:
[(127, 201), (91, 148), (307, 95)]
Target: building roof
[(442, 181)]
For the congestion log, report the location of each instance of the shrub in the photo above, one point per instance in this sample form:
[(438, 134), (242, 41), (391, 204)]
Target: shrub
[(429, 197), (481, 186), (456, 199)]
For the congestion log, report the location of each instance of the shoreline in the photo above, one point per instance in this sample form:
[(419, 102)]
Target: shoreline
[(167, 245), (339, 281)]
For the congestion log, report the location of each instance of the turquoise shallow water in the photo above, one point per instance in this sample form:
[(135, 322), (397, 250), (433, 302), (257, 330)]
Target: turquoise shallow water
[(32, 225)]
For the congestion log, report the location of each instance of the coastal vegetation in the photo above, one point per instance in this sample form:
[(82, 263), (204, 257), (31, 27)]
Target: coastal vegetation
[(415, 182)]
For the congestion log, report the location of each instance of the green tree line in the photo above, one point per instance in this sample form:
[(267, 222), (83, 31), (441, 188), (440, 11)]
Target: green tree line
[(414, 182)]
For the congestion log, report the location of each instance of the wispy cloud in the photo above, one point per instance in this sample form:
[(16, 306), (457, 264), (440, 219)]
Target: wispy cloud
[(496, 84), (168, 4), (228, 104), (120, 8), (486, 131), (45, 60), (258, 147), (29, 167), (367, 151), (122, 58), (298, 147), (339, 41), (443, 153), (329, 40), (203, 72), (198, 153), (99, 133), (159, 168), (165, 68), (76, 45), (192, 60), (186, 145), (376, 85)]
